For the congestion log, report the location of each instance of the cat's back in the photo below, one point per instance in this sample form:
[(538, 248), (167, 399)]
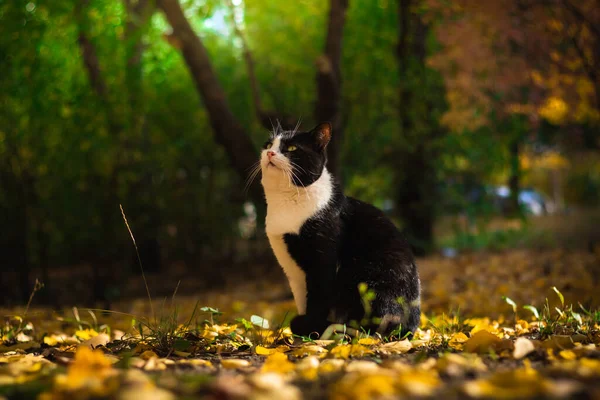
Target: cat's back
[(368, 230)]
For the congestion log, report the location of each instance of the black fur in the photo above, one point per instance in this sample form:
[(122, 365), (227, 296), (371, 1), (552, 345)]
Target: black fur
[(346, 244)]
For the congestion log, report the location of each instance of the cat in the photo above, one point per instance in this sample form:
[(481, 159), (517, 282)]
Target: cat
[(329, 244)]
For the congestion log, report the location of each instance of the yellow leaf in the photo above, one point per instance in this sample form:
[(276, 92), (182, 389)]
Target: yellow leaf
[(523, 346), (233, 363), (100, 339), (369, 341), (263, 351), (458, 365), (148, 354), (308, 350), (196, 362), (278, 363), (19, 346), (482, 342), (418, 383), (363, 366), (90, 372), (356, 386), (350, 350), (331, 365), (568, 354), (520, 383), (399, 347), (86, 334), (457, 341), (559, 342), (308, 368)]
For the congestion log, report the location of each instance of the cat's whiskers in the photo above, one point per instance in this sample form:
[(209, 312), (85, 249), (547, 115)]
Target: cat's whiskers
[(290, 172), (255, 169), (304, 187), (297, 166)]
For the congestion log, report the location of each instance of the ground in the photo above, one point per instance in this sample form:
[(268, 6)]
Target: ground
[(517, 323)]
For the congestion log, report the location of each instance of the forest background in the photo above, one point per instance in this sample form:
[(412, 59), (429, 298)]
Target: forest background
[(446, 114)]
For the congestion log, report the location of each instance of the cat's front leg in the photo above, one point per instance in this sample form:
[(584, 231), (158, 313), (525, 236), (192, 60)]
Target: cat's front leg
[(320, 293), (307, 325)]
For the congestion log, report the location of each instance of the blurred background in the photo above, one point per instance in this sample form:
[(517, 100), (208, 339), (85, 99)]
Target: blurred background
[(474, 125)]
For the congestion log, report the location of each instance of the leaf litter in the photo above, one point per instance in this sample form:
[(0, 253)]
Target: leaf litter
[(539, 341)]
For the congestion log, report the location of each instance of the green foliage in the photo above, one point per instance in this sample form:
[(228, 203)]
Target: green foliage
[(69, 155)]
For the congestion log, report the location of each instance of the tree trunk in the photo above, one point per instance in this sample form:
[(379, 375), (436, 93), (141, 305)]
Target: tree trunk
[(413, 158), (329, 80), (227, 131), (514, 181)]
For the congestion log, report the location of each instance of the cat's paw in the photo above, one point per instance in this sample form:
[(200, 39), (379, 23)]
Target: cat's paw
[(304, 325)]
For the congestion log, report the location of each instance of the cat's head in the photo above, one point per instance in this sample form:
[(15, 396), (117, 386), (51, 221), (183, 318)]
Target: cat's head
[(295, 157)]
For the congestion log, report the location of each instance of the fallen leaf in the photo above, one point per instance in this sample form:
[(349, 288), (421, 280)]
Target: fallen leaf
[(362, 366), (370, 386), (559, 342), (368, 341), (523, 346), (233, 363), (398, 347), (263, 351), (457, 341), (20, 346), (278, 363), (100, 339), (308, 367), (148, 354), (86, 334), (459, 365), (346, 351), (482, 342), (308, 350)]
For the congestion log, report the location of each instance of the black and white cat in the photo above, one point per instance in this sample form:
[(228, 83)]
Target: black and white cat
[(328, 244)]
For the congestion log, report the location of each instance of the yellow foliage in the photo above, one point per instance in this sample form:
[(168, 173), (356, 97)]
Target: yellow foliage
[(554, 110), (482, 342), (263, 351), (308, 350), (457, 341), (384, 383), (361, 387), (90, 373), (278, 363), (234, 363), (86, 334), (350, 350), (368, 341), (519, 383), (398, 347)]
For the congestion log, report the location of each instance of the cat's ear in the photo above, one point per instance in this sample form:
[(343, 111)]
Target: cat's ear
[(322, 134)]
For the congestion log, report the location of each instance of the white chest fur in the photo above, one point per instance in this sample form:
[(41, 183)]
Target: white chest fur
[(288, 208), (296, 277)]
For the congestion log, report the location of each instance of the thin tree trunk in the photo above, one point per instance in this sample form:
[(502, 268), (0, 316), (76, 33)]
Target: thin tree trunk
[(227, 131), (268, 118), (514, 181), (413, 159), (329, 81)]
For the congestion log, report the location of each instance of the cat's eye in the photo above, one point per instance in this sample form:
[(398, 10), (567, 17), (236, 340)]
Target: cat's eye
[(268, 145), (291, 148)]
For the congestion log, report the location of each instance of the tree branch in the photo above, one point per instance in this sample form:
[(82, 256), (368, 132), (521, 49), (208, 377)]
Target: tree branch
[(227, 131), (267, 118), (577, 13), (88, 51), (327, 107)]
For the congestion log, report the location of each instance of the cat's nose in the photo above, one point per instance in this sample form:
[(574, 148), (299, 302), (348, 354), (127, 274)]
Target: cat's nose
[(270, 154)]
